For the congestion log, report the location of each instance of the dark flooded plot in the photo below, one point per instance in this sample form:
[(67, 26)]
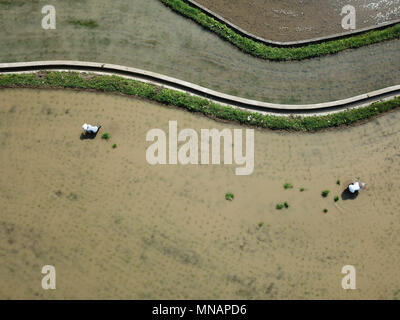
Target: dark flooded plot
[(294, 20), (146, 34)]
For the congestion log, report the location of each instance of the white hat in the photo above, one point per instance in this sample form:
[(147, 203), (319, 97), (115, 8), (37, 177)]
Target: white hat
[(85, 126)]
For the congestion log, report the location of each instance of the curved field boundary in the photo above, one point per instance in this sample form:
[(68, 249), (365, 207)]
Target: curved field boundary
[(173, 83), (281, 51), (195, 98)]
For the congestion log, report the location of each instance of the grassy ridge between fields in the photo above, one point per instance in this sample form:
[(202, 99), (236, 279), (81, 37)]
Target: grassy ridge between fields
[(263, 51), (116, 84)]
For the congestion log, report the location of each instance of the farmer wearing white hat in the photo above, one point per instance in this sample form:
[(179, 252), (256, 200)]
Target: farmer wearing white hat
[(356, 187), (90, 129)]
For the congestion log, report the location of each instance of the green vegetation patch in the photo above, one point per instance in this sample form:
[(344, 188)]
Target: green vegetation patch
[(286, 204), (7, 2), (288, 186), (116, 84), (105, 136), (229, 196), (84, 23), (14, 3), (263, 51), (325, 193), (280, 206)]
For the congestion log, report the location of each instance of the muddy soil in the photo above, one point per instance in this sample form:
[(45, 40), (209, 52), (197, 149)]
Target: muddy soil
[(115, 226)]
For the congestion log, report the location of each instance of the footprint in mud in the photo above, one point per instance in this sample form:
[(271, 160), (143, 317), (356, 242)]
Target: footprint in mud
[(58, 193), (47, 111), (72, 196)]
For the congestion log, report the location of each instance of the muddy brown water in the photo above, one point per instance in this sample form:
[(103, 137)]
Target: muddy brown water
[(116, 227), (294, 20), (146, 34)]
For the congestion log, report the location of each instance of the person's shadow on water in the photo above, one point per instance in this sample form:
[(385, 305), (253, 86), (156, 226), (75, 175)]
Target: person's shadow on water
[(347, 195)]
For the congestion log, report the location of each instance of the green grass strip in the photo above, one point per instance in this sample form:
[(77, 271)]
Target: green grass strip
[(84, 23), (263, 51), (116, 84)]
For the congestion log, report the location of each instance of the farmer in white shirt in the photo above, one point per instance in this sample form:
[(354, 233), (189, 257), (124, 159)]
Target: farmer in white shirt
[(356, 187), (90, 129)]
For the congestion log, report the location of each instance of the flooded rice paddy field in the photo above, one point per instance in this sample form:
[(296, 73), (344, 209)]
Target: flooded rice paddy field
[(146, 34), (294, 20), (116, 227)]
